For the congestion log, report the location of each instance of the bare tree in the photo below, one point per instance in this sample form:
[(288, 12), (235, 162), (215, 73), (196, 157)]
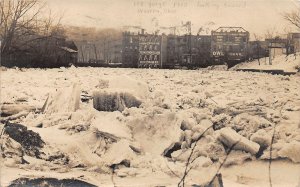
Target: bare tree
[(271, 33), (293, 18), (257, 46), (100, 43), (1, 13), (18, 18)]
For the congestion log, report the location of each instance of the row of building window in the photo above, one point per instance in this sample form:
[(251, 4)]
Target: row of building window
[(149, 57), (144, 47), (149, 47)]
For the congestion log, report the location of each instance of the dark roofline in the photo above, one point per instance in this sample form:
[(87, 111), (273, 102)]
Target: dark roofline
[(230, 29)]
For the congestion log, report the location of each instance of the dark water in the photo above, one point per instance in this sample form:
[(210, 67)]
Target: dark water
[(49, 182)]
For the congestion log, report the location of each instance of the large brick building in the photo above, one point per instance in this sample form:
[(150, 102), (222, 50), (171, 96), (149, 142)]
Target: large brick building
[(130, 50), (150, 50), (294, 42), (229, 44), (143, 50)]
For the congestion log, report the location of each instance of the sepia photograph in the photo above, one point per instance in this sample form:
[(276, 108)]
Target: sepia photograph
[(150, 93)]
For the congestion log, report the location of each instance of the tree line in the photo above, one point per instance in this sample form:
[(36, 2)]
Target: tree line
[(29, 33)]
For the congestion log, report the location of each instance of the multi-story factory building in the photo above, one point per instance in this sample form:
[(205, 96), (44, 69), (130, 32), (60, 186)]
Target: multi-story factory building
[(229, 44), (130, 50), (143, 50), (150, 50)]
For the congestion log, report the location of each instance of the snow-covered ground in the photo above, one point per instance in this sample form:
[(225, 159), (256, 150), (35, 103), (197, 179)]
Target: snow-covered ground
[(136, 147), (290, 63)]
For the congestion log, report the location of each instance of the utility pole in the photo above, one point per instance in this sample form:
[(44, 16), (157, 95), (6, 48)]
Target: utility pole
[(95, 50), (270, 55), (82, 53), (189, 25), (161, 50)]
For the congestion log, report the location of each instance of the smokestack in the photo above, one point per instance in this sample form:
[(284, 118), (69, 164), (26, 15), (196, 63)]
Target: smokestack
[(143, 31)]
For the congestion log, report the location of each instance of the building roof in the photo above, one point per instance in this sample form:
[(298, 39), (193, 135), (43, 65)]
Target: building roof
[(230, 29)]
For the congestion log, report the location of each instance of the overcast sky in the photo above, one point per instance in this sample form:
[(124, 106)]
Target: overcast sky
[(256, 16)]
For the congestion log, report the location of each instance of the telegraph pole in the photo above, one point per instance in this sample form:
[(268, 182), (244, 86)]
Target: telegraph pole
[(190, 38)]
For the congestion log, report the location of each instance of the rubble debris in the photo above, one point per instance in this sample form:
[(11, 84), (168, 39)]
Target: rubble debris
[(15, 116), (136, 149), (201, 162), (182, 155), (157, 137), (119, 154), (200, 115), (291, 151), (13, 109), (187, 124), (201, 131), (84, 97), (30, 141), (11, 151), (230, 137), (2, 68), (58, 158), (215, 182), (206, 125), (64, 100), (77, 128), (156, 133), (126, 84), (125, 172), (210, 148), (49, 182), (275, 148), (217, 67), (220, 121), (262, 138), (123, 163), (172, 148), (105, 135), (206, 147), (102, 84), (103, 101), (50, 120), (237, 158), (246, 124), (187, 141)]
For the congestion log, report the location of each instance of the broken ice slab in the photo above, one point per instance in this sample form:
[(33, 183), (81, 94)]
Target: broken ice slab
[(231, 138)]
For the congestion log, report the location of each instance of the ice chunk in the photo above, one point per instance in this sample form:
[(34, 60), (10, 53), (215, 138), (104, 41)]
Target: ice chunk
[(65, 100), (229, 137), (291, 151)]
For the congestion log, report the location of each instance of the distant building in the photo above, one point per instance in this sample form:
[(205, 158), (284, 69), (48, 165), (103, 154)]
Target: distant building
[(201, 47), (44, 52), (130, 50), (258, 49), (149, 50), (188, 50), (172, 55), (294, 42), (87, 52), (277, 46), (229, 44), (67, 54), (116, 56), (143, 50)]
